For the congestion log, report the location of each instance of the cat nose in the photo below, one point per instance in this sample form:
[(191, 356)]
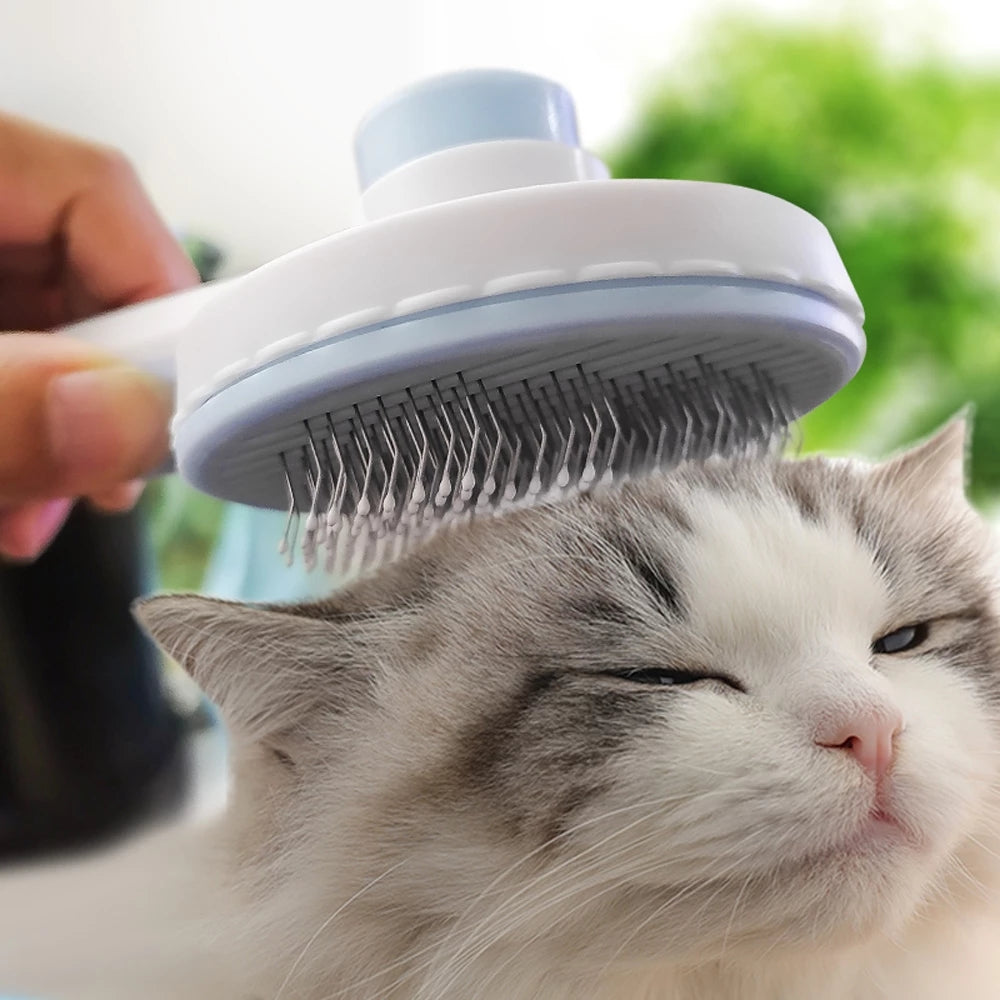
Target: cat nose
[(868, 736)]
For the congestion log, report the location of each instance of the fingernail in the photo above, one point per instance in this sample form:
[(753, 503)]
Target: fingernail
[(107, 425), (26, 531)]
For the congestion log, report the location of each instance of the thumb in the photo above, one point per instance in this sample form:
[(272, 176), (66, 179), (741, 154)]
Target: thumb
[(74, 421)]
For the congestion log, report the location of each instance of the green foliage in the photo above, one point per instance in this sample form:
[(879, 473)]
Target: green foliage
[(902, 164), (184, 525)]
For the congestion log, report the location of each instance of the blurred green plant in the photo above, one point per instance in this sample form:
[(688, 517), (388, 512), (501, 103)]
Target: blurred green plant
[(901, 161), (184, 525)]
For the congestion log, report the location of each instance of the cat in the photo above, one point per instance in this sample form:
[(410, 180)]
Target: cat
[(728, 732)]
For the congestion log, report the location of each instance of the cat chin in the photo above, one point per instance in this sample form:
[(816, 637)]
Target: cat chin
[(841, 901), (872, 886), (880, 838)]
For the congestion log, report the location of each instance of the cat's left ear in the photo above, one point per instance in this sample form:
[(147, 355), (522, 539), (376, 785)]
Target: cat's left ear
[(266, 667), (935, 469)]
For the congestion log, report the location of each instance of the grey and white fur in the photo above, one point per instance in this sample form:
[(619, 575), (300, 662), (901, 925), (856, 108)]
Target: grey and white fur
[(726, 733)]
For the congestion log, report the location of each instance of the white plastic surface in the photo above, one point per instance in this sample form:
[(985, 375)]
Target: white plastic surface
[(464, 171), (146, 335), (501, 242)]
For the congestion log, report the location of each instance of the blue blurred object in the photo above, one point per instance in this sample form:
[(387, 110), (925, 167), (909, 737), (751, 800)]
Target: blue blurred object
[(246, 566)]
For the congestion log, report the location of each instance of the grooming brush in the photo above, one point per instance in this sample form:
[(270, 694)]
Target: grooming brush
[(509, 324)]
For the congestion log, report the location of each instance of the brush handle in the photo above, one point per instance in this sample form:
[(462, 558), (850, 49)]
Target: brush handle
[(145, 335)]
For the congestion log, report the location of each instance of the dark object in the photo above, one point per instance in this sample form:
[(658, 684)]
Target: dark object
[(205, 255), (90, 746)]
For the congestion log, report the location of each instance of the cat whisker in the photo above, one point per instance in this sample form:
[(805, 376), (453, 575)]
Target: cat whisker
[(329, 920), (732, 915), (608, 869), (605, 879), (485, 930), (548, 903), (976, 884), (657, 803), (983, 847), (571, 863), (587, 902), (571, 831), (673, 901)]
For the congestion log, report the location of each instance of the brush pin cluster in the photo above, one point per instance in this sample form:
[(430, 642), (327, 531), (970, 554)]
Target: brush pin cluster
[(368, 483)]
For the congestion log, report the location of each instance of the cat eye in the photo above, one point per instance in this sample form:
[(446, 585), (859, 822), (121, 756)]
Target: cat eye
[(665, 677), (902, 639)]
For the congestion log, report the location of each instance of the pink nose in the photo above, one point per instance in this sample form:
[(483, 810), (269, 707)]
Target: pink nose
[(868, 737)]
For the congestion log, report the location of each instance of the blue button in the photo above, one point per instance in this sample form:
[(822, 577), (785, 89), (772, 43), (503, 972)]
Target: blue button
[(461, 108)]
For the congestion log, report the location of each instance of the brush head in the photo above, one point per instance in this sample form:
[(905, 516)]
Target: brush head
[(510, 325), (513, 399)]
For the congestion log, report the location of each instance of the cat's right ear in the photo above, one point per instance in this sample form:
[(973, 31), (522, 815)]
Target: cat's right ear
[(266, 667), (935, 469)]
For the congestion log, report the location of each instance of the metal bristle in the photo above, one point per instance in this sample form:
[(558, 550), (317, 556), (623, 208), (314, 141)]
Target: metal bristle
[(366, 485)]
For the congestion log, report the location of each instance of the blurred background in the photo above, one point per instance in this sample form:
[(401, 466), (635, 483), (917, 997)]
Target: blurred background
[(881, 119)]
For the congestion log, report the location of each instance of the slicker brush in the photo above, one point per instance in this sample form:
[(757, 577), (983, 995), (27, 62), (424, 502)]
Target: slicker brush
[(508, 326)]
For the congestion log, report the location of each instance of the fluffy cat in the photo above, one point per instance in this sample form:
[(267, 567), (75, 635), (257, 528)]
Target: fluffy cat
[(728, 733)]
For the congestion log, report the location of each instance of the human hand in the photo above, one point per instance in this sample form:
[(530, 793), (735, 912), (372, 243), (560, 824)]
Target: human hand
[(77, 236)]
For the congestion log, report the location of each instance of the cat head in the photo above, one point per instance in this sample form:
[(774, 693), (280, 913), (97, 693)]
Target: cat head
[(737, 708)]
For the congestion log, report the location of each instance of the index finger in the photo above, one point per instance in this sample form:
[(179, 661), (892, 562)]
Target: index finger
[(58, 189)]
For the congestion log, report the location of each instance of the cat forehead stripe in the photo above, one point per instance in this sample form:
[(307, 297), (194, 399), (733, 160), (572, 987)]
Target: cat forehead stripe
[(650, 569), (599, 608)]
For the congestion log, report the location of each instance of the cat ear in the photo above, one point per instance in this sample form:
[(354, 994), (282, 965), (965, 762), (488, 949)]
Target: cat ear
[(266, 667), (935, 468)]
